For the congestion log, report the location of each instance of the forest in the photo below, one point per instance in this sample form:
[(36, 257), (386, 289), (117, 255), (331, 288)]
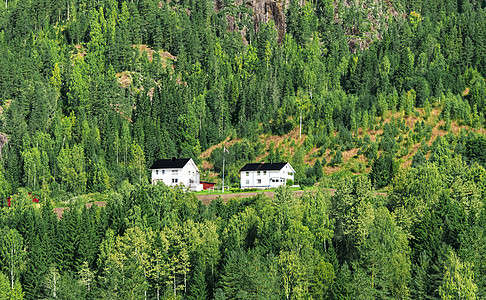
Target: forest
[(93, 92)]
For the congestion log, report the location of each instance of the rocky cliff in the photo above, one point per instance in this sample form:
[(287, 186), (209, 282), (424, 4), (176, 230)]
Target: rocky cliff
[(261, 12)]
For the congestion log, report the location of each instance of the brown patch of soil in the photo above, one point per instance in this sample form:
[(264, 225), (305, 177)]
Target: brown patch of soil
[(81, 52), (147, 49), (207, 166), (279, 141), (408, 158), (59, 211), (165, 54), (348, 154), (116, 107), (309, 158), (374, 133), (227, 142), (124, 79), (328, 170), (436, 131)]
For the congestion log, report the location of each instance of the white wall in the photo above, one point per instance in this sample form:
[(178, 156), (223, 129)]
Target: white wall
[(249, 179), (184, 176)]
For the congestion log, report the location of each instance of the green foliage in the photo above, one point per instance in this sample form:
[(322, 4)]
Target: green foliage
[(383, 171), (386, 257), (71, 163), (6, 290), (419, 159), (476, 150), (337, 159), (93, 92), (458, 281), (12, 256)]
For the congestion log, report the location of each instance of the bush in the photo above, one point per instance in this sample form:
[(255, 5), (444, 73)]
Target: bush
[(308, 181)]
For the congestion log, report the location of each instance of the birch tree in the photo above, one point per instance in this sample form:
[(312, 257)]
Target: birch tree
[(12, 253)]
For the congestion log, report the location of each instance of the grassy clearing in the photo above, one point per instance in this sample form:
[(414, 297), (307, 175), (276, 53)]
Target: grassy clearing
[(236, 190)]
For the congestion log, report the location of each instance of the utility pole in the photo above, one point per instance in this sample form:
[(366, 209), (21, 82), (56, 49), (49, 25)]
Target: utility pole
[(224, 150)]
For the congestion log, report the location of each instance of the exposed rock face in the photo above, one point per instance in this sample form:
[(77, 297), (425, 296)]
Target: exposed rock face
[(263, 11), (3, 141), (266, 10)]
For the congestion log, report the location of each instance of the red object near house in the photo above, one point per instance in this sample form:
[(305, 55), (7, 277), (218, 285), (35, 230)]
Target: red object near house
[(35, 200), (8, 201), (207, 185)]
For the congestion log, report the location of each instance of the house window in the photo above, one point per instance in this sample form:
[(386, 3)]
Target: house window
[(247, 173), (258, 173), (247, 182), (290, 173), (163, 172), (156, 172), (174, 180), (264, 172), (259, 181), (174, 171)]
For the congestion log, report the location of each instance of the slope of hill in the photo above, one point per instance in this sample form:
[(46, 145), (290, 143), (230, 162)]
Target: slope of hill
[(357, 159)]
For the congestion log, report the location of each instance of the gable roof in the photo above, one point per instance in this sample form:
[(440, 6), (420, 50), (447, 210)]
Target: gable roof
[(174, 163), (263, 167)]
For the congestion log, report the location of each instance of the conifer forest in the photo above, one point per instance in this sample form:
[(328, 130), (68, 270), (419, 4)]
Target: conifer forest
[(379, 106)]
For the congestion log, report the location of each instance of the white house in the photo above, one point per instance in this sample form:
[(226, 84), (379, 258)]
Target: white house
[(176, 171), (262, 175)]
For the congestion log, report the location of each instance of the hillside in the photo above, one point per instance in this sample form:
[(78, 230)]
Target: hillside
[(354, 160), (391, 96)]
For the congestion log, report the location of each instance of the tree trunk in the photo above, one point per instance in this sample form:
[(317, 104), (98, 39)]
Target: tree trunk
[(54, 290), (11, 267), (174, 283)]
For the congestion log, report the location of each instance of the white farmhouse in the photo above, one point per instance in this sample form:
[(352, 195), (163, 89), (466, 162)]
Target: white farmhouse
[(176, 171), (262, 175)]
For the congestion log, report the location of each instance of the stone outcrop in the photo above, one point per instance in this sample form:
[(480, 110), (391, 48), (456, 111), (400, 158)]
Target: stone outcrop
[(3, 142), (266, 10), (262, 12)]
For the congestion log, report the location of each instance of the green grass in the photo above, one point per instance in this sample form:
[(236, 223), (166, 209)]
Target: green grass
[(86, 198), (237, 190)]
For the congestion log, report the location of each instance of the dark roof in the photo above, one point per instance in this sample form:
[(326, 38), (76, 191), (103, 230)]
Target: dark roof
[(263, 167), (174, 163)]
